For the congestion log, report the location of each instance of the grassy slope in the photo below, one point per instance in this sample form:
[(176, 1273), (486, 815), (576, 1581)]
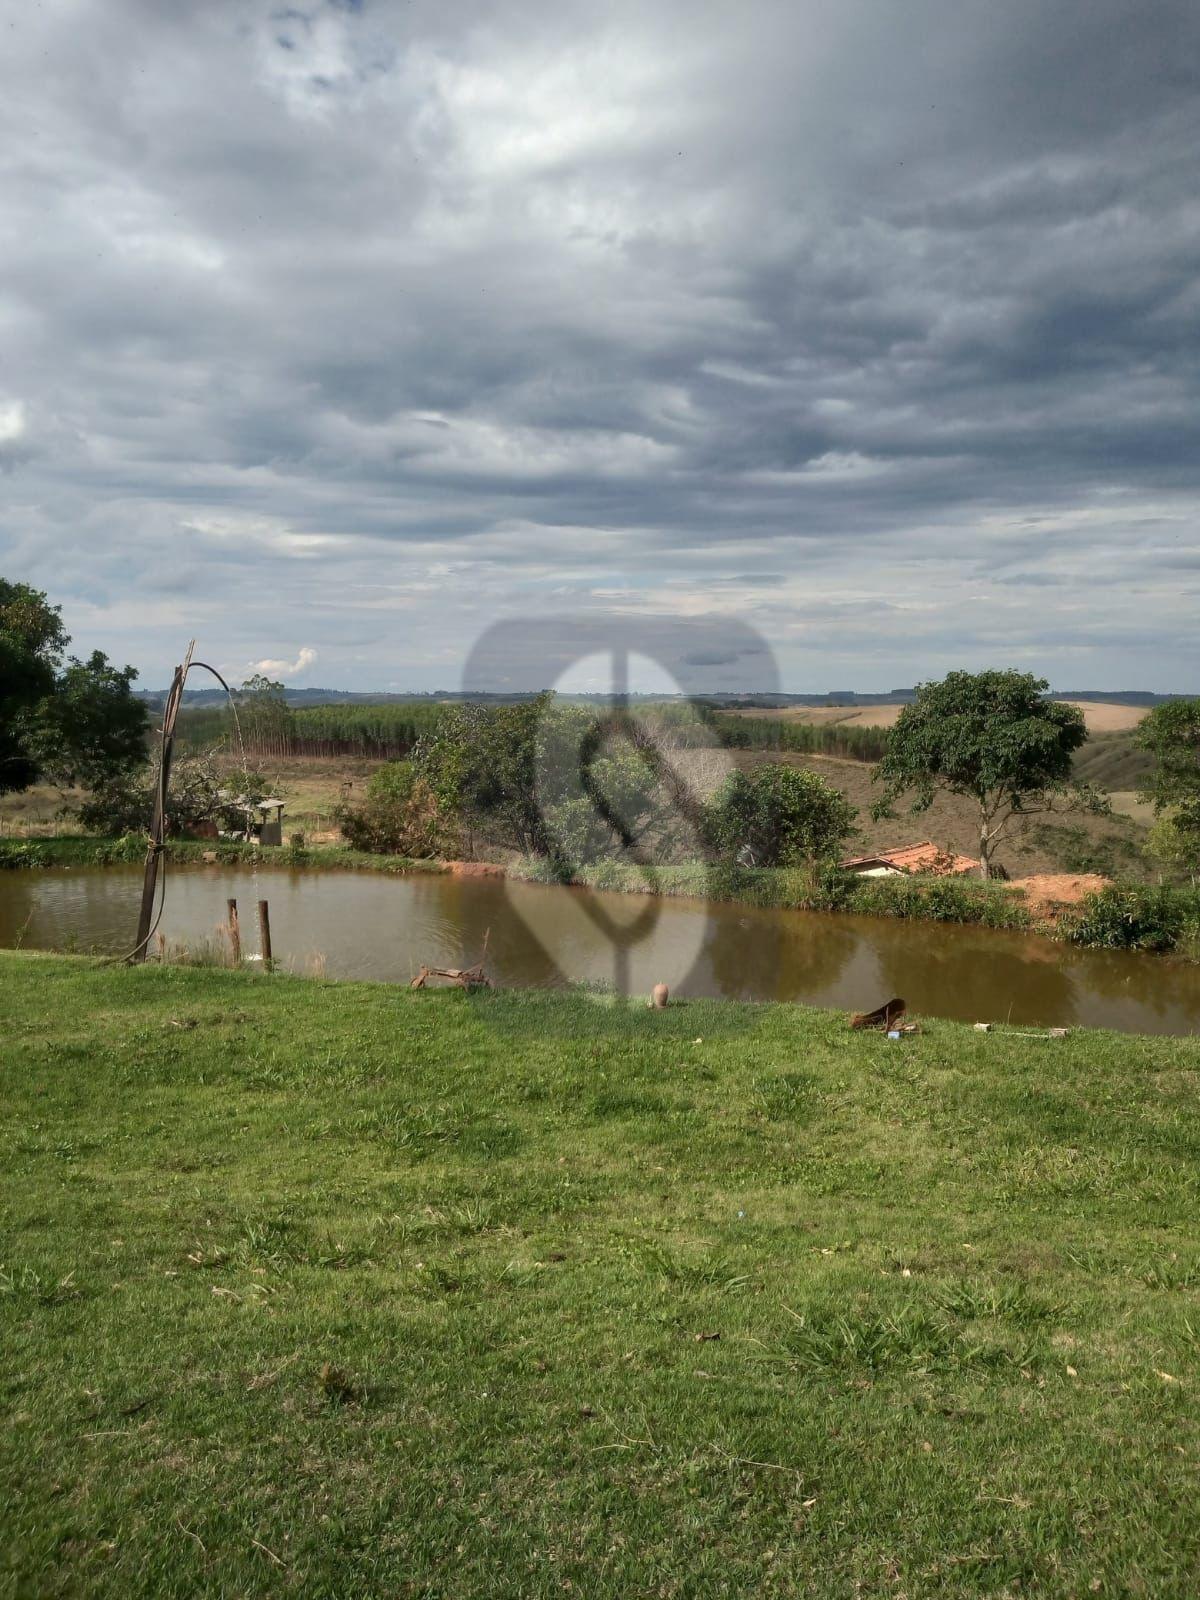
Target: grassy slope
[(950, 821), (955, 1284), (1113, 761)]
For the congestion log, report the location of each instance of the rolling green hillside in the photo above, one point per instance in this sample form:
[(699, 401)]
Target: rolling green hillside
[(1112, 761)]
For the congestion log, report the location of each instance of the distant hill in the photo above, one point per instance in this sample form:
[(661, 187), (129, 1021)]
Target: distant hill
[(1113, 761), (1120, 697), (202, 699), (196, 699), (199, 699)]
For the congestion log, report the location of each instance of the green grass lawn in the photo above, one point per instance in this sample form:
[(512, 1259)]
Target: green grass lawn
[(341, 1290)]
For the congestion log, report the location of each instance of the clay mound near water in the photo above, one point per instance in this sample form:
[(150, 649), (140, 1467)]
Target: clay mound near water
[(1047, 893)]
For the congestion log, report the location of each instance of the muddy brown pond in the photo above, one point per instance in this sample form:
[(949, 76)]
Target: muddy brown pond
[(363, 925)]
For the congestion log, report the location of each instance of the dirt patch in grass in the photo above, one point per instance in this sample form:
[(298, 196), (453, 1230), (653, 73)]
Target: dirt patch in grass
[(1047, 893)]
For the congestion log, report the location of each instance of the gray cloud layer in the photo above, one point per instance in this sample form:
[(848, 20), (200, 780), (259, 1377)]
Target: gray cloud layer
[(348, 328)]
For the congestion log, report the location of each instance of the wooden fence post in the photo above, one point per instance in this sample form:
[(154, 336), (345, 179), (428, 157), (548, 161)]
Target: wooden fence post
[(235, 934), (264, 933)]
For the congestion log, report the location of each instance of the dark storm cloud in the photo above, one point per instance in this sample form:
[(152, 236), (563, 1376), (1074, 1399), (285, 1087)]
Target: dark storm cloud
[(353, 327)]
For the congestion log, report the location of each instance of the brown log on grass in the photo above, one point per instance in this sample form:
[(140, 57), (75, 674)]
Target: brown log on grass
[(885, 1016)]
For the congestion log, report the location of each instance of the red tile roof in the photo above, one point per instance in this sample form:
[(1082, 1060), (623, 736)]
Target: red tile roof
[(925, 857)]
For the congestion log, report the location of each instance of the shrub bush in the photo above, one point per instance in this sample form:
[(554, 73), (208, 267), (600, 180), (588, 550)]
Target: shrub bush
[(23, 853), (401, 816), (1133, 917), (393, 781), (783, 816), (199, 792), (129, 847), (937, 900), (295, 850), (72, 851)]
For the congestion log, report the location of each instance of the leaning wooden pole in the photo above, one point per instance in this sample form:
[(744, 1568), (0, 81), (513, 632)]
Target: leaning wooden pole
[(158, 822)]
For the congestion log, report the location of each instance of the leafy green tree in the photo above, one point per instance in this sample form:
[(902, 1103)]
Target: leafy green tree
[(394, 780), (1171, 734), (599, 788), (516, 775), (481, 763), (992, 737), (263, 712), (400, 815), (199, 792), (1174, 847), (32, 640), (78, 724), (782, 816), (92, 726)]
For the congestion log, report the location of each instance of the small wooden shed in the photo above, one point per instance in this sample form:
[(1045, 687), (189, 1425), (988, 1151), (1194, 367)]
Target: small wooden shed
[(263, 819), (268, 824)]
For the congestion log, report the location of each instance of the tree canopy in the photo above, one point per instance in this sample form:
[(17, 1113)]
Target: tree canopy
[(1171, 734), (199, 792), (784, 816), (481, 763), (78, 724), (992, 736), (400, 815), (262, 709), (543, 778)]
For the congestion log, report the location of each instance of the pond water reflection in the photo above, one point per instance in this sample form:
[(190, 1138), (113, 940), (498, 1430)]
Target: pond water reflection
[(367, 925)]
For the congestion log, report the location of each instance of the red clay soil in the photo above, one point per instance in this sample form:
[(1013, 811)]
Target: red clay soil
[(1046, 893), (474, 869)]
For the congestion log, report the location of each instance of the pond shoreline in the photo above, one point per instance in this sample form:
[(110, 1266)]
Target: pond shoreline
[(908, 897), (386, 926)]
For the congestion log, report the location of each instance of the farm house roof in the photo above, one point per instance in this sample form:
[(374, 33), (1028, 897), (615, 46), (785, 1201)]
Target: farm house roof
[(923, 857)]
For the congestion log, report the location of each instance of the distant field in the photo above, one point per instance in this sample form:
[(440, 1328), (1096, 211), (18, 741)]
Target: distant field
[(36, 811), (883, 716), (1101, 717)]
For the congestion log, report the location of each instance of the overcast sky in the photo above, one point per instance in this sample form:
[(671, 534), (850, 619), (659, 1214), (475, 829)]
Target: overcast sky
[(332, 333)]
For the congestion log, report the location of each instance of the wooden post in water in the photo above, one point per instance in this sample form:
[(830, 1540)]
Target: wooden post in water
[(264, 933), (235, 934), (158, 822)]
